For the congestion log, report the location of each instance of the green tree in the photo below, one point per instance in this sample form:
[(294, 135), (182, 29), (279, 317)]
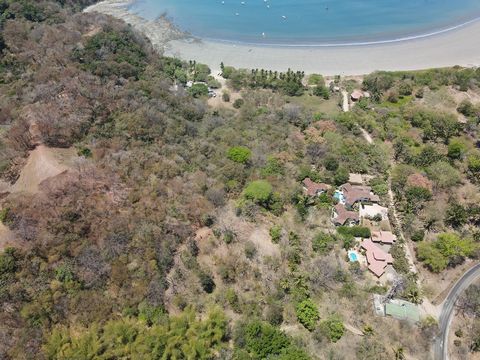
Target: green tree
[(239, 154), (443, 175), (275, 233), (307, 314), (198, 90), (456, 215), (341, 176), (473, 163), (262, 340), (323, 243), (431, 257), (8, 263), (259, 191), (332, 328), (456, 150)]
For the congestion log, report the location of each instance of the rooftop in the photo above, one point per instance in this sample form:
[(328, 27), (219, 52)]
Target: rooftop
[(312, 188), (377, 258), (356, 193), (342, 215), (355, 179), (384, 237)]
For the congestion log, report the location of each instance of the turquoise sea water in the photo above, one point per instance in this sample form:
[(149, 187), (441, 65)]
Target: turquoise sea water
[(310, 22)]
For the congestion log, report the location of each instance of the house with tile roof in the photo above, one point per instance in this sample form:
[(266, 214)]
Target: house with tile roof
[(383, 237), (312, 188), (377, 258), (341, 216), (356, 193)]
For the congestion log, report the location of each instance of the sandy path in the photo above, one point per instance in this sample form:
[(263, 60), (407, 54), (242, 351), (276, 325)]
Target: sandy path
[(345, 105)]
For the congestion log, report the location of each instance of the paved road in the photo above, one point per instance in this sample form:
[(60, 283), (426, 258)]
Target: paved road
[(441, 342)]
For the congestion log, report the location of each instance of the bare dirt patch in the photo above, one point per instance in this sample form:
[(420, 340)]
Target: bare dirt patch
[(7, 238), (43, 163)]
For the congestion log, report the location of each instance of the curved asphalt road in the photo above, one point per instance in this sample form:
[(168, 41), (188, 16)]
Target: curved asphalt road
[(441, 342)]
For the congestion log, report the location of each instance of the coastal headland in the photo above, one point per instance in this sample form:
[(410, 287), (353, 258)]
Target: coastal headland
[(457, 46)]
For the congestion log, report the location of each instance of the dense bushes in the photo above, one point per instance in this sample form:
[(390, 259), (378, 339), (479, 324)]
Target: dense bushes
[(447, 250), (332, 328), (262, 341), (177, 337), (355, 231), (323, 243), (307, 314), (239, 154), (113, 53)]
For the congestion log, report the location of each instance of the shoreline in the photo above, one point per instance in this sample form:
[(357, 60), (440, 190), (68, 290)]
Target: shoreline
[(457, 45)]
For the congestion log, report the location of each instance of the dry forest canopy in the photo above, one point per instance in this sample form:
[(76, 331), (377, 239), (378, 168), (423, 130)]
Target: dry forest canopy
[(164, 226)]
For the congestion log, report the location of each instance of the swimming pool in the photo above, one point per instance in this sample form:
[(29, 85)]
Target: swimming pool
[(352, 256), (339, 196)]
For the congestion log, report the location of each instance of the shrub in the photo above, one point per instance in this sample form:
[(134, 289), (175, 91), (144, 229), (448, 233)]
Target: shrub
[(198, 90), (273, 167), (355, 231), (226, 96), (467, 108), (431, 257), (274, 314), (332, 328), (322, 91), (418, 235), (447, 249), (307, 314), (8, 262), (250, 250), (456, 150), (473, 163), (232, 299), (259, 191), (207, 283), (341, 176), (4, 215), (228, 236), (239, 154), (323, 243), (237, 104), (263, 340), (275, 233)]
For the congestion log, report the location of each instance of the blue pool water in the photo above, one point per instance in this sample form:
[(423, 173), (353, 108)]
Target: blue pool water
[(339, 196), (310, 22), (352, 255)]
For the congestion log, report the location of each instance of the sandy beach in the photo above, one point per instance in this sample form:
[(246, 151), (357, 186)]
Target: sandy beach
[(460, 46)]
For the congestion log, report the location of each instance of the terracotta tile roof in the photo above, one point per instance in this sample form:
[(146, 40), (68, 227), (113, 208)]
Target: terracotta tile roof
[(342, 215), (355, 193), (356, 95), (313, 188), (385, 237), (377, 258)]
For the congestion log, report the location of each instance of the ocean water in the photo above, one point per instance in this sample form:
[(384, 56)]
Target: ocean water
[(311, 22)]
